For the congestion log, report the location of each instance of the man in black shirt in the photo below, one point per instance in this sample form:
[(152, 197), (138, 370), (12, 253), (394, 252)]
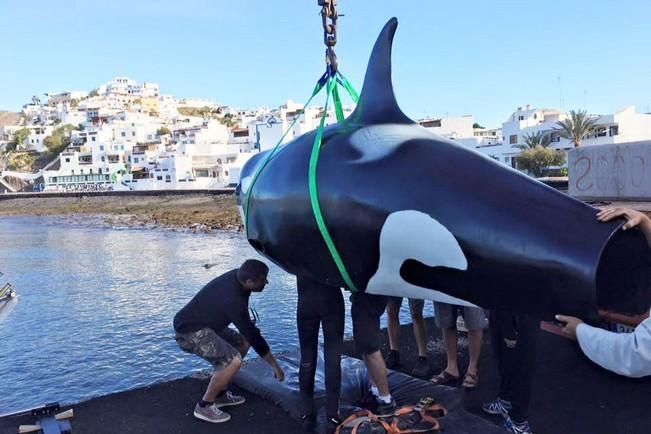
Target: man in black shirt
[(202, 328)]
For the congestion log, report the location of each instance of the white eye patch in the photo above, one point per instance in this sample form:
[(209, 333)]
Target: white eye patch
[(411, 234)]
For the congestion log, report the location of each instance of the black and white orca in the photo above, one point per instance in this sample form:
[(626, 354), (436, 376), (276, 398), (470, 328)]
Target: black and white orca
[(413, 214)]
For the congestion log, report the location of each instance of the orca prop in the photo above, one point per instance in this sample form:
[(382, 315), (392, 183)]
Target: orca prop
[(413, 214)]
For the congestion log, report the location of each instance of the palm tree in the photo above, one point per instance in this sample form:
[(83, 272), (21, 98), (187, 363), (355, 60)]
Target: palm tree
[(532, 140), (577, 127)]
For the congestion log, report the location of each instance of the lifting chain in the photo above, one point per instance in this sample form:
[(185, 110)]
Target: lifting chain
[(329, 17)]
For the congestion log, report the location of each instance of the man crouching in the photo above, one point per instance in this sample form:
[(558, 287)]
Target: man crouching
[(202, 328)]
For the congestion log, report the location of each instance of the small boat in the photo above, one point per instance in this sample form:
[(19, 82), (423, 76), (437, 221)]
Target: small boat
[(7, 292), (8, 300)]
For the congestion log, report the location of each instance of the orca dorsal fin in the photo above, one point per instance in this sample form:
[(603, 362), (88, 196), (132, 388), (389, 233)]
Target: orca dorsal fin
[(377, 102)]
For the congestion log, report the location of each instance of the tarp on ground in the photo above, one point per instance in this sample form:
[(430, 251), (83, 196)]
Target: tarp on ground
[(256, 377)]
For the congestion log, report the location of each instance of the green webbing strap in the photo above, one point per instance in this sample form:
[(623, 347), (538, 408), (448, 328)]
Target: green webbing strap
[(349, 87), (337, 102), (317, 88), (330, 83), (331, 87)]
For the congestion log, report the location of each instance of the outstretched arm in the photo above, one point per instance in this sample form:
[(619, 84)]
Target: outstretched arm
[(633, 219), (278, 371)]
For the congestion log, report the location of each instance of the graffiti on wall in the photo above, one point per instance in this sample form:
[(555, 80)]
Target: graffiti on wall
[(610, 171)]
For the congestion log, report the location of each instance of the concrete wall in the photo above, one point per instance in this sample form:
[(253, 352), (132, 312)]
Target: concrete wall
[(615, 172)]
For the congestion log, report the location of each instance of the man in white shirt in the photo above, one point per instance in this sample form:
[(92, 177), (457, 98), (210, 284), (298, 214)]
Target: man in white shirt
[(627, 354)]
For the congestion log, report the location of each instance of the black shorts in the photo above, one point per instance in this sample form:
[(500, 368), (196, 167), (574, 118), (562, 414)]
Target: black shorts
[(366, 310)]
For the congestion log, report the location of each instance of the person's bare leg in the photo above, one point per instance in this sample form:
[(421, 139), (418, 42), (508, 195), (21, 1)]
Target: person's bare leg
[(420, 331), (450, 338), (393, 325), (474, 349), (377, 370), (221, 379)]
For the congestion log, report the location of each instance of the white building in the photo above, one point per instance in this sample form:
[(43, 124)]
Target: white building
[(450, 127), (168, 107), (37, 135), (199, 139), (621, 127), (624, 126), (55, 99), (267, 131), (196, 103), (122, 86), (128, 127), (149, 89)]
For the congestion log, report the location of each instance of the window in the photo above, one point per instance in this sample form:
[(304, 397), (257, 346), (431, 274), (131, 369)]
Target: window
[(123, 134), (168, 178), (129, 158), (554, 137), (92, 139), (513, 139), (600, 132), (535, 116), (103, 158), (72, 171), (81, 171), (67, 160), (520, 118), (91, 171), (101, 147), (613, 131), (159, 178), (122, 147), (100, 171), (133, 134)]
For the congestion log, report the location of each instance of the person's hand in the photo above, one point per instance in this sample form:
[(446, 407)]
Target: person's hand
[(606, 315), (633, 218), (278, 373), (571, 323)]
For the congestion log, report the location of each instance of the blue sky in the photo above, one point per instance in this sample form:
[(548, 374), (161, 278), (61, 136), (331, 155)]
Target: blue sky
[(483, 58)]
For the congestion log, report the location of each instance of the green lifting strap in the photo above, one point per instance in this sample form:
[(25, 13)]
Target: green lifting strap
[(330, 83), (314, 194), (317, 88), (349, 87)]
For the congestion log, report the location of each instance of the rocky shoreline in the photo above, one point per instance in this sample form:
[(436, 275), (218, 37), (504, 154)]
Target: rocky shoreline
[(201, 213), (192, 212)]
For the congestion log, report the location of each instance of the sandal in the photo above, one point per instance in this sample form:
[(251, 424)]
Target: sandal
[(470, 381), (444, 378)]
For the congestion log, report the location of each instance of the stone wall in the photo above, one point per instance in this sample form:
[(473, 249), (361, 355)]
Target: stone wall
[(614, 172)]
